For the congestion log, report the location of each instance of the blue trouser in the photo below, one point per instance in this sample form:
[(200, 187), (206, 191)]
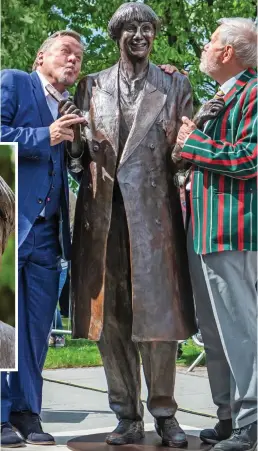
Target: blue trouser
[(38, 280)]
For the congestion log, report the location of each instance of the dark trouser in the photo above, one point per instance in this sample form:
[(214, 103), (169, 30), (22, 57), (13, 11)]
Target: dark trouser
[(120, 355), (38, 280), (226, 304)]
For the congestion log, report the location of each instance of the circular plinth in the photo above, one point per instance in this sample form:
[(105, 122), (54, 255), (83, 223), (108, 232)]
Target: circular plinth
[(151, 443)]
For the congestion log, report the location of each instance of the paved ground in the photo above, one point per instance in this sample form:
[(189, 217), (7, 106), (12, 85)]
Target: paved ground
[(70, 411)]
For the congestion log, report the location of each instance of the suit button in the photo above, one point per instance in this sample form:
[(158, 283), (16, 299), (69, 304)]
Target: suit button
[(95, 148), (152, 147), (154, 184), (90, 186), (86, 225), (158, 221), (52, 173), (40, 201)]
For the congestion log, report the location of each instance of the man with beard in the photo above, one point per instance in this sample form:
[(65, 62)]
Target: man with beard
[(29, 117), (130, 276), (222, 238), (7, 214)]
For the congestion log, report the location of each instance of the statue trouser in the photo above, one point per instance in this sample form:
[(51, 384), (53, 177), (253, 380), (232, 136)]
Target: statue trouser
[(121, 356), (224, 285)]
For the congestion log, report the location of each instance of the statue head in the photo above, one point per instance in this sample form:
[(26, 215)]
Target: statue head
[(134, 27)]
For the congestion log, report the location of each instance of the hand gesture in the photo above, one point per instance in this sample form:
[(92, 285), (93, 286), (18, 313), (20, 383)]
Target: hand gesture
[(61, 129), (169, 69), (185, 130)]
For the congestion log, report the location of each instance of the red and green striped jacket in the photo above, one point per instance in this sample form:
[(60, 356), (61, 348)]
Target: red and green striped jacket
[(224, 176)]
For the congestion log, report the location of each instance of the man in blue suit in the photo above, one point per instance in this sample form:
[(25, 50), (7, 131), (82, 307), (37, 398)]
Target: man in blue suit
[(30, 117)]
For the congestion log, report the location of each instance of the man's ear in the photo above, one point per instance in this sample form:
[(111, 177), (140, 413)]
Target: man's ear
[(228, 54), (40, 58)]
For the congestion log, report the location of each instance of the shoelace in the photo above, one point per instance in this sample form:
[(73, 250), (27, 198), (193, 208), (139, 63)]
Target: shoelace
[(237, 432)]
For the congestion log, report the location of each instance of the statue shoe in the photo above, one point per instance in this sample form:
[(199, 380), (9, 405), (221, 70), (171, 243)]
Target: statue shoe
[(9, 438), (243, 439), (170, 432), (127, 431), (222, 430), (29, 426)]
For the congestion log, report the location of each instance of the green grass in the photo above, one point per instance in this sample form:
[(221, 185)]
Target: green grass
[(190, 354), (75, 354), (84, 353)]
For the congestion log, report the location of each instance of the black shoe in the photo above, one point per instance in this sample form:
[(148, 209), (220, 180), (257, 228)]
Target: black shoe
[(222, 430), (29, 425), (170, 432), (127, 431), (9, 438), (243, 439)]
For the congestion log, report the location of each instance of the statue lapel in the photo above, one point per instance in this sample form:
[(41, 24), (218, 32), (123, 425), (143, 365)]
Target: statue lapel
[(152, 102), (105, 106)]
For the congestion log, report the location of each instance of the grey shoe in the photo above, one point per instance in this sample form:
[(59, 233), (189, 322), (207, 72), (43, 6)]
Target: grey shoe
[(222, 430), (127, 431), (243, 439), (171, 433)]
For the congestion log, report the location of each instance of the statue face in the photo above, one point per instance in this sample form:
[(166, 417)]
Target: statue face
[(137, 39)]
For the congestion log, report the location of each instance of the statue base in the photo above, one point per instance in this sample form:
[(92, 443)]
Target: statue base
[(151, 442)]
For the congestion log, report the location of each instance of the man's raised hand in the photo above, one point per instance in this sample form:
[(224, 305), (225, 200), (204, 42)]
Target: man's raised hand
[(61, 129)]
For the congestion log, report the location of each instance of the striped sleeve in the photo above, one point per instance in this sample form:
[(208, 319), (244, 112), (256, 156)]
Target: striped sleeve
[(238, 160)]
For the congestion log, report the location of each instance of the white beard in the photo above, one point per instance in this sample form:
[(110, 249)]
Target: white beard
[(208, 67)]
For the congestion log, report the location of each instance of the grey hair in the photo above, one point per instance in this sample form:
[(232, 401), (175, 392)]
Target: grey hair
[(50, 40), (128, 12), (241, 33)]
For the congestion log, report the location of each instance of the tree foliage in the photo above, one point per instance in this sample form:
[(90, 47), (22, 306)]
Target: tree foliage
[(186, 26)]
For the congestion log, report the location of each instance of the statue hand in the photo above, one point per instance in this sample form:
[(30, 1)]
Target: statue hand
[(208, 111), (67, 106)]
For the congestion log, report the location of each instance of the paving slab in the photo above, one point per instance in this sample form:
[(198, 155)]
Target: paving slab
[(70, 412)]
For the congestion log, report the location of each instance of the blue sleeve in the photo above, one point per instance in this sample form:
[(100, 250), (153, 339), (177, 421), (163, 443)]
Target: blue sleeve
[(33, 142)]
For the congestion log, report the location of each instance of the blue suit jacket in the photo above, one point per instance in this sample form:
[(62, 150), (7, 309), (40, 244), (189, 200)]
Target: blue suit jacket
[(26, 119)]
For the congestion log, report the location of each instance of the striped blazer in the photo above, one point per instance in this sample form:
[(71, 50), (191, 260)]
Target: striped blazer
[(224, 176)]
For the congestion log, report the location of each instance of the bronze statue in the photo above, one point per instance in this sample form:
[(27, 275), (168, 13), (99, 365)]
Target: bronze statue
[(130, 280)]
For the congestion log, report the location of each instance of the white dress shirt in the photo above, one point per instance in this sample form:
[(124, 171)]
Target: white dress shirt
[(52, 103), (53, 106)]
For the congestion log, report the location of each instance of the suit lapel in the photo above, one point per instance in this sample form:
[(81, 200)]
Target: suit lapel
[(106, 105), (240, 83), (44, 111), (246, 76)]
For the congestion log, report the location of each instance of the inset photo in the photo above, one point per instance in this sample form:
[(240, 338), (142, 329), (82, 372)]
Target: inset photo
[(8, 310)]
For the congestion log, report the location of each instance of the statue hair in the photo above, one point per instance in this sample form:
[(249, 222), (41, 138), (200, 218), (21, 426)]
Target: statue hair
[(129, 12)]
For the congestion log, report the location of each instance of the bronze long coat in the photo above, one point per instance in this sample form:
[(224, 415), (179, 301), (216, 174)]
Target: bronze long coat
[(162, 299)]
